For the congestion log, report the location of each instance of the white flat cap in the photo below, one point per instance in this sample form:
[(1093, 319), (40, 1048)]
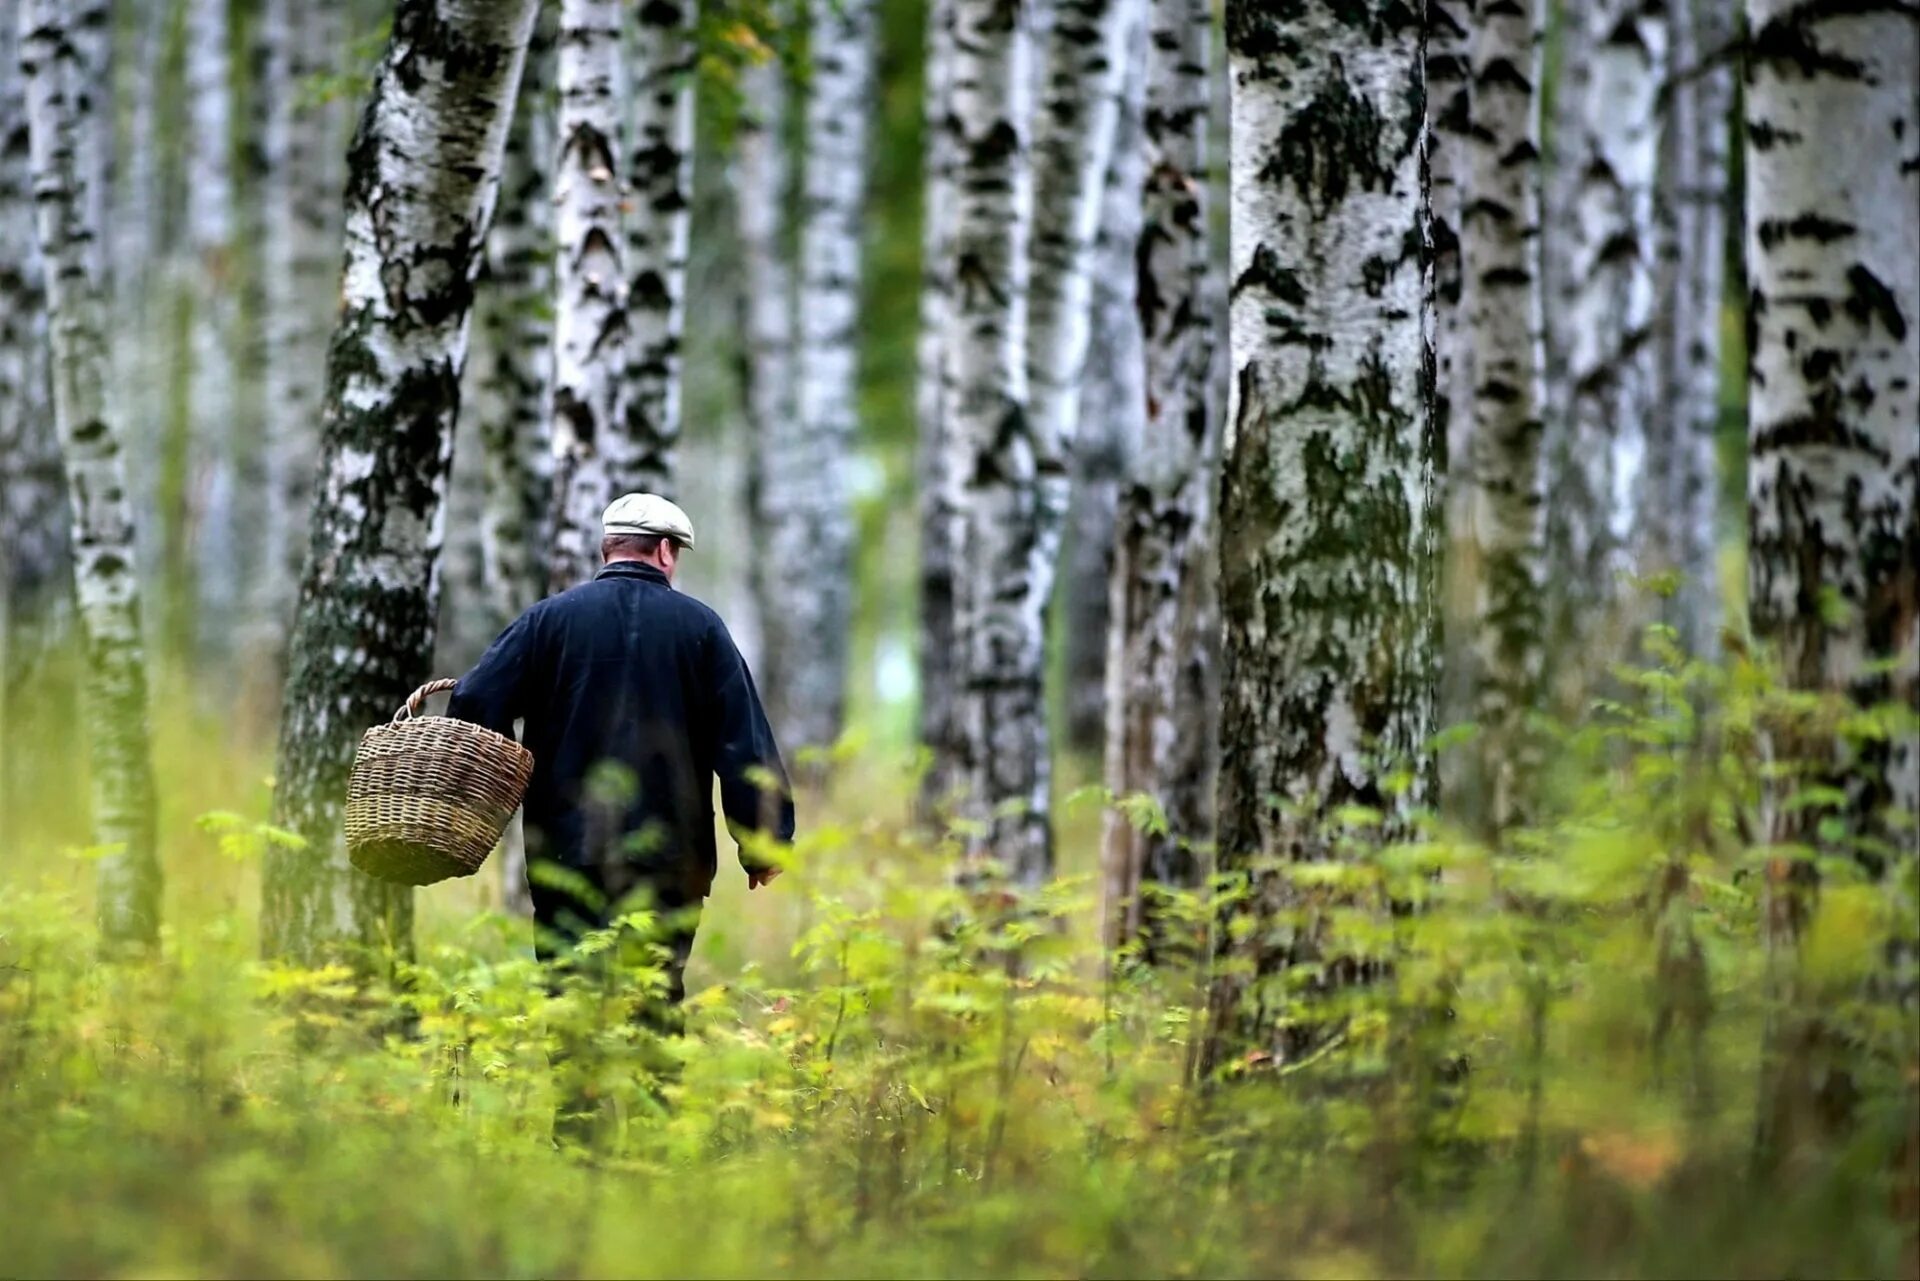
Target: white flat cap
[(648, 514)]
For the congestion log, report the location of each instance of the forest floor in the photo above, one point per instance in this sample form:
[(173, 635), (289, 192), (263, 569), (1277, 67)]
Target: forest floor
[(883, 1077)]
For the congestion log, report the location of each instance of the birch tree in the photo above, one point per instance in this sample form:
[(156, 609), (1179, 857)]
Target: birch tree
[(515, 374), (62, 47), (803, 483), (422, 176), (939, 516), (594, 455), (1075, 117), (1612, 154), (1161, 706), (659, 138), (212, 288), (1833, 233), (1693, 226), (1112, 409), (33, 519), (303, 142), (999, 751), (1504, 332), (1326, 523), (762, 187)]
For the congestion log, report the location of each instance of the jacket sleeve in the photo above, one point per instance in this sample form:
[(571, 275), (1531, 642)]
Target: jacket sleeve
[(754, 791), (492, 693)]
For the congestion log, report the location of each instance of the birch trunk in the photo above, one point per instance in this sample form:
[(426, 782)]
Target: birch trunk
[(939, 514), (1502, 472), (592, 453), (1833, 233), (1449, 112), (1162, 729), (995, 449), (303, 144), (144, 348), (33, 517), (61, 44), (515, 373), (1086, 50), (803, 487), (1327, 516), (212, 286), (422, 176), (659, 136), (1605, 487), (1112, 411), (1693, 199), (763, 187)]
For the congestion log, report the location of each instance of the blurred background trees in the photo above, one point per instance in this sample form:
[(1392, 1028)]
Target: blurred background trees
[(1014, 384)]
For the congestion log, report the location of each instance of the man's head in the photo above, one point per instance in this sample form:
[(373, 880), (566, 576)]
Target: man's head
[(646, 528)]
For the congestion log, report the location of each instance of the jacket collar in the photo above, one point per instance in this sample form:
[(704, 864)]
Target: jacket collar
[(633, 569)]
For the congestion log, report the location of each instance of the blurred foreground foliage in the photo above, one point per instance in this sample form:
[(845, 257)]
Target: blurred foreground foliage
[(1556, 1070)]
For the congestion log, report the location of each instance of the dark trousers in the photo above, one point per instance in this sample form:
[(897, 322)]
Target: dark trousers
[(562, 917)]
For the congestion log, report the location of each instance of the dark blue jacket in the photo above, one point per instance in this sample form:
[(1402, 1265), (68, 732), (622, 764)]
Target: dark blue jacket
[(634, 698)]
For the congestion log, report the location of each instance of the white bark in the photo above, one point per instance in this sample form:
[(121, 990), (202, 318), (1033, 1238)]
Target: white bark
[(594, 458), (422, 177), (515, 356), (1113, 406), (996, 450), (1327, 517), (938, 515), (1073, 127), (1610, 360), (62, 44), (803, 485), (33, 518), (1502, 469), (304, 144), (1162, 726), (659, 138), (1833, 300), (762, 196), (1693, 197), (212, 284)]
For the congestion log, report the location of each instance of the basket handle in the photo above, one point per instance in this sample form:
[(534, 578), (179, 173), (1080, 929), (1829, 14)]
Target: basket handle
[(411, 708)]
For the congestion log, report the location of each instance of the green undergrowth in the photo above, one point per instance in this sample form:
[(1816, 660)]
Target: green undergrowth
[(1554, 1067)]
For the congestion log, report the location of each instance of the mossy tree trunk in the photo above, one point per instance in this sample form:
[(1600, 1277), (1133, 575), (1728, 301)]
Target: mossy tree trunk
[(1162, 700), (1327, 522), (63, 61), (1833, 233), (422, 176), (594, 456)]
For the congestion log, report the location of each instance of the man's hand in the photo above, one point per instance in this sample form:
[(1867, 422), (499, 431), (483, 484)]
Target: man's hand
[(762, 877)]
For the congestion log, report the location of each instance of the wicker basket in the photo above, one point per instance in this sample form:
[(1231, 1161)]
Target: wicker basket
[(430, 795)]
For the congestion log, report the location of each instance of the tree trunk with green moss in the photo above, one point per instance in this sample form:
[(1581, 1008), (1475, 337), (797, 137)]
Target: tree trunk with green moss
[(422, 176), (1327, 522)]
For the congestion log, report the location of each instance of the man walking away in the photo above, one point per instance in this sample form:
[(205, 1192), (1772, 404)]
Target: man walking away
[(634, 698)]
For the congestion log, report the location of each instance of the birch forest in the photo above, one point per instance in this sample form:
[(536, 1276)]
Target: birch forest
[(1338, 582)]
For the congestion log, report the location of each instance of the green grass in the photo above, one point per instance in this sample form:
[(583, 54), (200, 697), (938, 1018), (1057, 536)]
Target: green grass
[(887, 1076)]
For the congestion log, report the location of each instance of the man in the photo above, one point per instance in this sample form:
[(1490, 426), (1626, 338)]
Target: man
[(634, 698)]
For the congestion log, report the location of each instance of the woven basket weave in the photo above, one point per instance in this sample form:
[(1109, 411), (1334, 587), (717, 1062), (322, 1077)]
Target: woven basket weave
[(430, 795)]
